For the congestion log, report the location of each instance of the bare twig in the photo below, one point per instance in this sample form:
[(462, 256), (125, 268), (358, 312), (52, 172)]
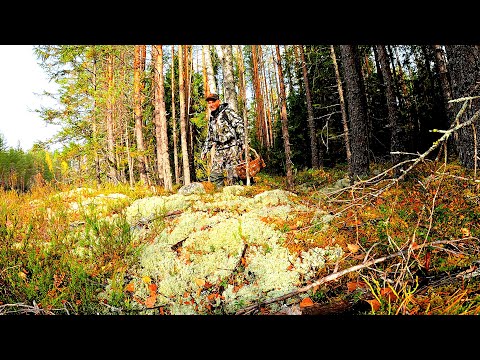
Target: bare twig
[(339, 274)]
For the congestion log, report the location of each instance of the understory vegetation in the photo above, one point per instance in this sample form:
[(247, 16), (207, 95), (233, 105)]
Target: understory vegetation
[(407, 247)]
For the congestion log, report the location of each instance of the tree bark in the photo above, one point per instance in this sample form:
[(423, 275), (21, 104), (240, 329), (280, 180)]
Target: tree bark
[(396, 140), (174, 121), (137, 96), (163, 160), (112, 169), (463, 66), (183, 116), (284, 119), (211, 83), (342, 106), (228, 77), (259, 104), (357, 112), (243, 104), (314, 148)]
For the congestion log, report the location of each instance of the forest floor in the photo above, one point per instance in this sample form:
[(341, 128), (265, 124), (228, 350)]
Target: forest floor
[(377, 247)]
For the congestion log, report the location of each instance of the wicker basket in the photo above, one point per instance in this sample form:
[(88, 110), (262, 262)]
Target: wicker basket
[(254, 165)]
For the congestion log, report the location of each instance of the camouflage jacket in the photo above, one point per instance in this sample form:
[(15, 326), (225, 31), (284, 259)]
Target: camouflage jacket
[(225, 129)]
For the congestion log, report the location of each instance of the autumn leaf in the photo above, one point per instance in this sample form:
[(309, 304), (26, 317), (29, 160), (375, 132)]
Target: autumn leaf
[(153, 289), (130, 287), (200, 282), (388, 293), (353, 248), (146, 279), (306, 302), (353, 285), (374, 304), (150, 302)]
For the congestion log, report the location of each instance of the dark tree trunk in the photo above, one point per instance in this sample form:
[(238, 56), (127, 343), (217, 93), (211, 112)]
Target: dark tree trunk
[(463, 66), (441, 66), (357, 111), (396, 139), (316, 156)]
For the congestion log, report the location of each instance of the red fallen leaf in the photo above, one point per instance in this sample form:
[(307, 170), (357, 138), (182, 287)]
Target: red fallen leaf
[(153, 288), (162, 312), (244, 262), (306, 302), (211, 297), (374, 304)]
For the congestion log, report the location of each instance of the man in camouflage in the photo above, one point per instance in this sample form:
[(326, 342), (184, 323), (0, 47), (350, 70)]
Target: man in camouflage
[(225, 135)]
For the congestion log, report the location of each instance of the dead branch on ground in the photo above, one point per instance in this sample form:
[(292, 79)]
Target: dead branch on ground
[(334, 276)]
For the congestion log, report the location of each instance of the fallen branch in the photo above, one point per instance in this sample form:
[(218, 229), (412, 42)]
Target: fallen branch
[(339, 274)]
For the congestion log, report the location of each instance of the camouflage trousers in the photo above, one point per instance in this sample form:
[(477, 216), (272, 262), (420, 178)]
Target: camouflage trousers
[(224, 162)]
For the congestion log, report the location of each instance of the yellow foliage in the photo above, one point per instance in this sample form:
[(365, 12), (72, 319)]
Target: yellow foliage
[(64, 168), (49, 162)]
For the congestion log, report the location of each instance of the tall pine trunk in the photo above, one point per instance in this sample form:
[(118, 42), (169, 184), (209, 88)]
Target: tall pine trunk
[(284, 119), (183, 116), (312, 129), (138, 113)]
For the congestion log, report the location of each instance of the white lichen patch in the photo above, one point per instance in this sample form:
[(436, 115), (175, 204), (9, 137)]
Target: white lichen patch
[(146, 209), (223, 239)]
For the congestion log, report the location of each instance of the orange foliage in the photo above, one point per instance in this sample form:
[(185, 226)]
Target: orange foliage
[(388, 294), (353, 285), (152, 287), (150, 302), (130, 287), (306, 302), (374, 304)]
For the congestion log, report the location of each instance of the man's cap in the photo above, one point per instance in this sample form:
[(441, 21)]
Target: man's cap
[(212, 97)]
